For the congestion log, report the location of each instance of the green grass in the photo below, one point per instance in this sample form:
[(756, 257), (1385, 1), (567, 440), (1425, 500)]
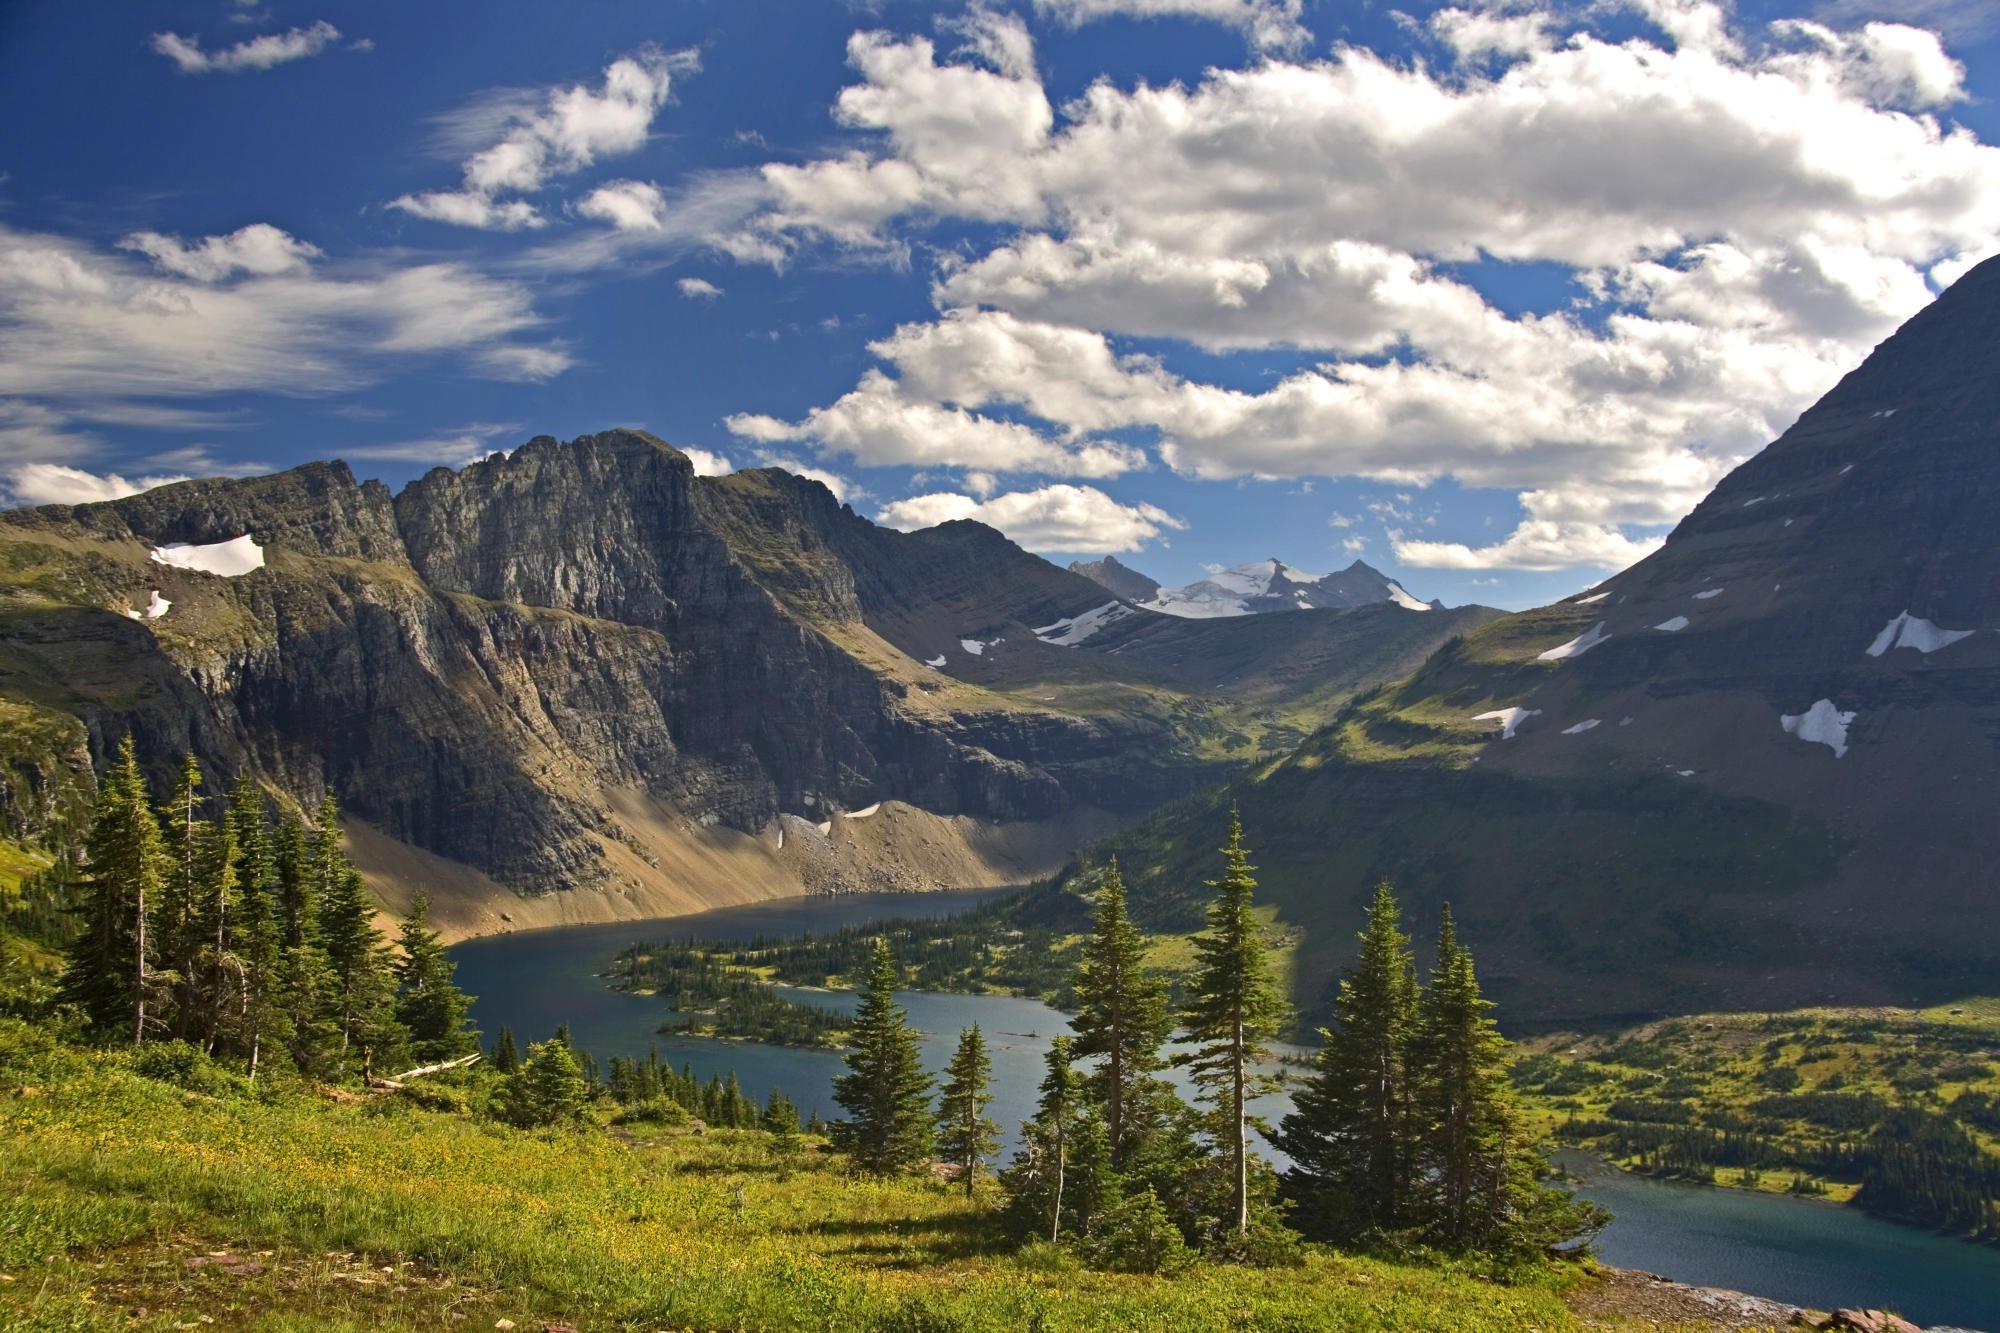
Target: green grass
[(381, 1215)]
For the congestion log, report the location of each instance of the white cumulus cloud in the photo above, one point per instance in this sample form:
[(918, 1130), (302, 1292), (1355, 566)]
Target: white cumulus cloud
[(707, 464), (1741, 215), (54, 484), (258, 248), (1058, 517), (562, 132), (263, 52), (698, 289), (626, 205)]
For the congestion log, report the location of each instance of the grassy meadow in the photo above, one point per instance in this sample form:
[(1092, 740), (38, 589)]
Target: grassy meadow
[(187, 1200)]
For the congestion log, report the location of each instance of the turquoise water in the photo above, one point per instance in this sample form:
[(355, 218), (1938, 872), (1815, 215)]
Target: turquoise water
[(1793, 1250)]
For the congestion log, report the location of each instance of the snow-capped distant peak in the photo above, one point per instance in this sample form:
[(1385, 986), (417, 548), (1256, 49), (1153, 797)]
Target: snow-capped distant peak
[(1273, 585)]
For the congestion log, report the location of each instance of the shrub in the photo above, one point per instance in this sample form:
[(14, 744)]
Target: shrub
[(547, 1089), (1136, 1236), (185, 1066), (433, 1097), (653, 1111)]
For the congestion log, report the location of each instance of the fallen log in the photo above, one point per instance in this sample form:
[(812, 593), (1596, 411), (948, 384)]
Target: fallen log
[(392, 1084)]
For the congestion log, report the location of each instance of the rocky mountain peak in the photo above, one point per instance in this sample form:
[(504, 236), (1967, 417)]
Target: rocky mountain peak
[(1118, 579)]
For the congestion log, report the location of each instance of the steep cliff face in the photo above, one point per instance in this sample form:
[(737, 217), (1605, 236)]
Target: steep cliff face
[(495, 664), (1754, 770)]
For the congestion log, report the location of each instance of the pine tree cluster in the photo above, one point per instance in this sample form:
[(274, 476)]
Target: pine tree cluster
[(249, 941), (1405, 1134)]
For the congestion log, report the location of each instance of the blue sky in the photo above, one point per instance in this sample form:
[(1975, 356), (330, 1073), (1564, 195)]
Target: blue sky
[(1486, 294)]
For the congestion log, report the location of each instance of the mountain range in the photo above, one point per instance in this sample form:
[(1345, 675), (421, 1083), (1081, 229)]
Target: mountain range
[(1258, 587), (578, 681), (1755, 770)]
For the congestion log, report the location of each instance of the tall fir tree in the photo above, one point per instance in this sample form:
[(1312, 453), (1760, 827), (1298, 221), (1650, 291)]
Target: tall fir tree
[(356, 956), (110, 970), (1464, 1109), (298, 904), (1348, 1135), (1481, 1171), (1233, 1010), (179, 916), (885, 1092), (1037, 1180), (254, 952), (310, 992), (966, 1136), (428, 1004), (1121, 1016)]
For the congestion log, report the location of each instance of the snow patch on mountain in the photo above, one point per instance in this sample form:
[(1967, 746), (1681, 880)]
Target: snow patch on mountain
[(1404, 600), (1593, 598), (1822, 724), (973, 646), (1908, 631), (1508, 718), (1576, 647), (230, 559), (934, 662), (1673, 626), (1707, 593), (1581, 727), (1072, 630)]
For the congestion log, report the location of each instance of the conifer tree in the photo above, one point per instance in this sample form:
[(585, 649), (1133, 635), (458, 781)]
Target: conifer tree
[(506, 1055), (179, 917), (1463, 1101), (1121, 1015), (886, 1092), (1037, 1179), (780, 1116), (216, 906), (254, 944), (547, 1089), (110, 972), (1480, 1171), (356, 956), (298, 905), (966, 1137), (311, 1001), (1349, 1131), (429, 1005), (1233, 1010)]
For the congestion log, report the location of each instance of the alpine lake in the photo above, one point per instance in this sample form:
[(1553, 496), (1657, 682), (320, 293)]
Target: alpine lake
[(1798, 1250)]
